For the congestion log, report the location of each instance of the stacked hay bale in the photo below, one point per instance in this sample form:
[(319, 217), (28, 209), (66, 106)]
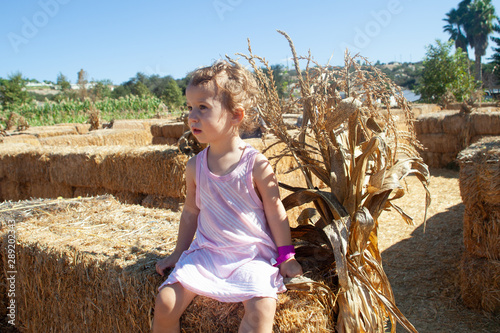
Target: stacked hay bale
[(149, 175), (445, 134), (90, 263), (480, 191), (419, 109), (440, 134), (102, 137), (33, 135), (119, 132), (131, 173), (167, 133)]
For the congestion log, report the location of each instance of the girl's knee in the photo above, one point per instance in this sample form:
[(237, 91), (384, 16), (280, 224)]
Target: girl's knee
[(259, 314), (165, 301), (170, 303)]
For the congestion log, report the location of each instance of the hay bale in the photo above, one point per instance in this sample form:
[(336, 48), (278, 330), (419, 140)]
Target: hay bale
[(89, 191), (486, 123), (10, 190), (156, 129), (482, 230), (48, 131), (48, 190), (97, 249), (102, 137), (129, 124), (159, 140), (480, 282), (480, 172), (295, 312), (149, 170), (173, 130), (75, 166), (454, 123), (23, 163), (128, 197), (20, 138), (81, 260), (437, 160), (291, 120), (440, 142), (430, 123), (419, 109), (146, 170), (157, 201), (125, 137), (433, 160), (72, 140), (80, 128)]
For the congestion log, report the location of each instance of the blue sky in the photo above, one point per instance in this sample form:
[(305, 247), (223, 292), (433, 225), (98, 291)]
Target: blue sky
[(116, 39)]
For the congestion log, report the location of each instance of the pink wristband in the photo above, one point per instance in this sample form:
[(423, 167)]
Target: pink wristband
[(284, 253)]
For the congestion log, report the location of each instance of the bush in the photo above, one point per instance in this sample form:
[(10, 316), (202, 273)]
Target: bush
[(444, 72)]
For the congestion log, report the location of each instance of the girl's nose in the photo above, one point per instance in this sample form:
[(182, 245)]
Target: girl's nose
[(192, 116)]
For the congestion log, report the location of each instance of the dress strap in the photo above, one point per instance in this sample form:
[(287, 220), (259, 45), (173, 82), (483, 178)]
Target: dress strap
[(199, 165), (251, 157)]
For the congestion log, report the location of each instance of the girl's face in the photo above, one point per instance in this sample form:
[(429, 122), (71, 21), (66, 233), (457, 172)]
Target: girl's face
[(209, 121)]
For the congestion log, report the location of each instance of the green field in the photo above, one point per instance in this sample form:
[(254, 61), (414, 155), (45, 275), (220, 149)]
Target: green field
[(75, 111)]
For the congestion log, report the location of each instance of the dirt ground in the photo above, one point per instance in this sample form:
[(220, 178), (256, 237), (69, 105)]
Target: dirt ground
[(423, 267)]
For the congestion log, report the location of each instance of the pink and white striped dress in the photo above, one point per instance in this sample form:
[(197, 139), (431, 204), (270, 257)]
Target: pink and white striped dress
[(229, 259)]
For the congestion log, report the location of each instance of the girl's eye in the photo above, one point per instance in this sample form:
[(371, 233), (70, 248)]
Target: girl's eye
[(189, 108), (202, 107)]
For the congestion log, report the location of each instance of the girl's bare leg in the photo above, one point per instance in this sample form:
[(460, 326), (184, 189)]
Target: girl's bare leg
[(170, 304), (259, 315)]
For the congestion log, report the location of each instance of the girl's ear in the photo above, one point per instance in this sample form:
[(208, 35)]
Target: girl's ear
[(238, 115)]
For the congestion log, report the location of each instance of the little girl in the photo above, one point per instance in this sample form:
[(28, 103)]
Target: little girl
[(242, 249)]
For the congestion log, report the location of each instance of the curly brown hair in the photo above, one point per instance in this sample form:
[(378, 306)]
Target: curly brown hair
[(235, 86)]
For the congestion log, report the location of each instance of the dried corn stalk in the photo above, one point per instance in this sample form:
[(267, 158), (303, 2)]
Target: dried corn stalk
[(350, 145)]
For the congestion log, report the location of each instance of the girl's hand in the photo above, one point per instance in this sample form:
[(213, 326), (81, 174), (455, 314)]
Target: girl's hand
[(167, 262), (290, 268)]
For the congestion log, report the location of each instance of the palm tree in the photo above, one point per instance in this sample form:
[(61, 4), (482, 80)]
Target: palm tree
[(496, 55), (453, 18), (477, 23)]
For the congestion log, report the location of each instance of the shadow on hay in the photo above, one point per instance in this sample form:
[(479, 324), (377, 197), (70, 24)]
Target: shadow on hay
[(424, 274), (448, 173)]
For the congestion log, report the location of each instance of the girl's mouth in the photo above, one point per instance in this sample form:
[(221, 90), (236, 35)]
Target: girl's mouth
[(195, 131)]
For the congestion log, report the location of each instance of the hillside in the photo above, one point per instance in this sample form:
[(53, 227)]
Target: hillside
[(405, 75)]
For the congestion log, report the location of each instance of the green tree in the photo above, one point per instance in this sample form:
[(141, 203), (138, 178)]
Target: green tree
[(167, 89), (172, 94), (444, 71), (281, 77), (475, 18), (140, 89), (496, 55), (478, 26), (13, 91), (63, 82), (121, 91), (454, 28), (101, 89)]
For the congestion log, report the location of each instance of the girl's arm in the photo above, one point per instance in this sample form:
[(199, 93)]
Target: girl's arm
[(267, 187), (188, 222)]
